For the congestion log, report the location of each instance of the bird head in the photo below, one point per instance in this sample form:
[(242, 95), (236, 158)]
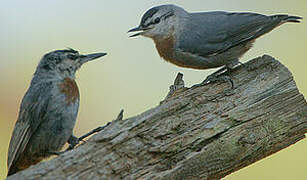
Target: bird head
[(65, 62), (159, 21)]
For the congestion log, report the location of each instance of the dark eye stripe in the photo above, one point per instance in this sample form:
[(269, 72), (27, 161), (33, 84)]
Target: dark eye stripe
[(72, 56), (149, 14), (149, 24), (157, 20), (169, 14)]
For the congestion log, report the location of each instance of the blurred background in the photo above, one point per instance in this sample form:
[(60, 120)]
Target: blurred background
[(132, 76)]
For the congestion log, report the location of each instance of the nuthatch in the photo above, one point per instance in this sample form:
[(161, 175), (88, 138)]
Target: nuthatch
[(48, 110), (207, 39)]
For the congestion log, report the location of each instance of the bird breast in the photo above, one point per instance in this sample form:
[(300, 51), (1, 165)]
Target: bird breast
[(166, 50), (165, 47), (70, 89)]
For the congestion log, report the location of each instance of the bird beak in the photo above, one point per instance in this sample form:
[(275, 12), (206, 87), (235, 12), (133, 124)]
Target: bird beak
[(134, 30), (90, 57)]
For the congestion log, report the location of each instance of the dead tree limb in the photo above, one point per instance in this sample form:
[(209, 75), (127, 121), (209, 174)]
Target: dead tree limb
[(206, 132)]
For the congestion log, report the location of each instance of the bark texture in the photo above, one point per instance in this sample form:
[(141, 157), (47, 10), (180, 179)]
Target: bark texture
[(204, 132)]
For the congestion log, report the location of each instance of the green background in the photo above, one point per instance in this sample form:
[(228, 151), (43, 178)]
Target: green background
[(132, 76)]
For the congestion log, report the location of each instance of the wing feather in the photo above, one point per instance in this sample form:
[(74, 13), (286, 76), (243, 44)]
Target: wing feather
[(32, 110), (216, 32)]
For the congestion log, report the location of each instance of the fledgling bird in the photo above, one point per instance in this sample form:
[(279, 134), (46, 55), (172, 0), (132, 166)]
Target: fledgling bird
[(48, 110), (207, 39)]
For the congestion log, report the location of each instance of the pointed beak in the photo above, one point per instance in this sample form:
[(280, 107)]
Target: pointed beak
[(134, 30), (90, 57)]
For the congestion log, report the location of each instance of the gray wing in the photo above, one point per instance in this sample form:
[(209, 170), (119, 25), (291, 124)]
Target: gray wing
[(32, 110), (214, 32)]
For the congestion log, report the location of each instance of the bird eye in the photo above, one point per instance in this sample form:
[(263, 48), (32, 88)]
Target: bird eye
[(72, 56), (157, 20)]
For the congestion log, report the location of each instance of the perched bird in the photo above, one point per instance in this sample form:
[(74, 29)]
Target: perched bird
[(48, 110), (207, 39)]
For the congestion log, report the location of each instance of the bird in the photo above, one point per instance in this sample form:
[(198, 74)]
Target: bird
[(205, 40), (48, 110)]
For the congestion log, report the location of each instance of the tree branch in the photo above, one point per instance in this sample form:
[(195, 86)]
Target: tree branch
[(205, 132)]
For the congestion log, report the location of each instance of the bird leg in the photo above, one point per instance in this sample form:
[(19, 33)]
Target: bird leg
[(55, 153), (119, 118), (221, 75), (218, 76), (73, 141)]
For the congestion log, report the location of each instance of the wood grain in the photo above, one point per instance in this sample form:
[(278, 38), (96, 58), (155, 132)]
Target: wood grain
[(206, 132)]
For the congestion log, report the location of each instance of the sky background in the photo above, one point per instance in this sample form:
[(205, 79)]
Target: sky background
[(132, 76)]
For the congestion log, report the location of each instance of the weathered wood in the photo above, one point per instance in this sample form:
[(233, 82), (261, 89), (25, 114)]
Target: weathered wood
[(195, 133)]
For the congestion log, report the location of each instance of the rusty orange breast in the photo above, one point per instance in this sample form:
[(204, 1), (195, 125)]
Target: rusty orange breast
[(70, 89), (165, 47)]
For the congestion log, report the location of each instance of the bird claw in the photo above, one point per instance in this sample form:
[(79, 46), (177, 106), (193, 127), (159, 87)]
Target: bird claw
[(56, 153), (221, 75), (215, 78), (73, 141), (218, 78)]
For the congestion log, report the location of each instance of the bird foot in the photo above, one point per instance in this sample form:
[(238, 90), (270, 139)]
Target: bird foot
[(218, 78), (73, 141), (221, 75), (56, 153)]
